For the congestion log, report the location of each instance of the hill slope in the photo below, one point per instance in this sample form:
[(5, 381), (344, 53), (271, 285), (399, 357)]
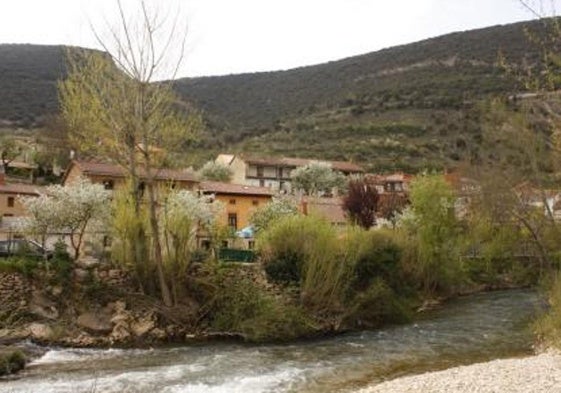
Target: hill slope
[(405, 107), (28, 77)]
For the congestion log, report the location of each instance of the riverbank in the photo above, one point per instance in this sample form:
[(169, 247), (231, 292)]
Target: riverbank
[(536, 374)]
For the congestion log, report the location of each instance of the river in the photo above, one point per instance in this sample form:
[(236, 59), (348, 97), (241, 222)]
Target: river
[(467, 330)]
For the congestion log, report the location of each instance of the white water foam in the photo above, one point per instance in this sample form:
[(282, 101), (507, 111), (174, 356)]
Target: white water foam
[(132, 381), (261, 383), (74, 355)]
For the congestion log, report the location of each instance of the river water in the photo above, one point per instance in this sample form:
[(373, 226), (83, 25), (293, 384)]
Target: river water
[(467, 330)]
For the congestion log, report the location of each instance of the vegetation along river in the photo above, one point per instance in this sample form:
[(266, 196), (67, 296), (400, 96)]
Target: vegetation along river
[(470, 329)]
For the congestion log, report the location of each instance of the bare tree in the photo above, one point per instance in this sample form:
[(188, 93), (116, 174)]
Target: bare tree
[(117, 107)]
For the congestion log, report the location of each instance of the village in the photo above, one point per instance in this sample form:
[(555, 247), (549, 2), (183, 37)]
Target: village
[(253, 182)]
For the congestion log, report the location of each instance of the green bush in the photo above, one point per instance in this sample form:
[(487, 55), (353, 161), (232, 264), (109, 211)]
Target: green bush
[(285, 268), (19, 264), (376, 306), (11, 362), (548, 326), (242, 307), (288, 244), (376, 255), (62, 263)]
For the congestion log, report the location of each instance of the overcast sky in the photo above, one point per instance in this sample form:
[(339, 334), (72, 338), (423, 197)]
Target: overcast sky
[(235, 36)]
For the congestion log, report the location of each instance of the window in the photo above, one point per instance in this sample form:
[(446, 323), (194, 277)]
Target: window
[(205, 244), (107, 241), (8, 215), (232, 202), (141, 188), (108, 184), (255, 203), (260, 171), (233, 220), (224, 243), (11, 201), (251, 244), (261, 183)]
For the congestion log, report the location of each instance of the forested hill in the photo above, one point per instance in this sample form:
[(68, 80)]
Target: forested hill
[(407, 107)]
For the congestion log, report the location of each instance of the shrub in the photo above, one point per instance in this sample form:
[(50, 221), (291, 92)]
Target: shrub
[(375, 255), (11, 362), (243, 307), (287, 244), (285, 268), (548, 327), (19, 264), (305, 250), (62, 263), (376, 306)]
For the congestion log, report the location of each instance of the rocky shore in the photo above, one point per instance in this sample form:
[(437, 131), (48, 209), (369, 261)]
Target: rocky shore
[(537, 374)]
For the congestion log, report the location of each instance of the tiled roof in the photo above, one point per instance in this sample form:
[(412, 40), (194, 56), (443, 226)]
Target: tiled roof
[(20, 188), (112, 170), (237, 189), (296, 162)]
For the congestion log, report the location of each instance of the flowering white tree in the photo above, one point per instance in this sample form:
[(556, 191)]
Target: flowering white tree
[(68, 209), (43, 217), (317, 177), (267, 214)]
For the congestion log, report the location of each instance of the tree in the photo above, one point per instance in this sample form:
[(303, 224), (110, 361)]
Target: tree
[(71, 209), (116, 109), (316, 178), (215, 171), (9, 151), (432, 222), (43, 217), (266, 215), (361, 202)]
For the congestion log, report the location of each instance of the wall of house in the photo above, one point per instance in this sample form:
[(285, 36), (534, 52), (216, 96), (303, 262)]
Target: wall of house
[(10, 205), (238, 167), (241, 205), (120, 182)]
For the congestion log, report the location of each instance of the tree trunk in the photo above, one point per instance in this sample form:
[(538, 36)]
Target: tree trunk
[(158, 258)]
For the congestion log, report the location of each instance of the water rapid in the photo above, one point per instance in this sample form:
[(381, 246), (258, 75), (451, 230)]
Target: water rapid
[(470, 329)]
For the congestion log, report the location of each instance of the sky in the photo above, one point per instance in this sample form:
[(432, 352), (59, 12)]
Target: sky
[(237, 36)]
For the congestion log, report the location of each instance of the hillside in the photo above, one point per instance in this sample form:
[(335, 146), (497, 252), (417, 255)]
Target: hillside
[(434, 73), (28, 77), (407, 107)]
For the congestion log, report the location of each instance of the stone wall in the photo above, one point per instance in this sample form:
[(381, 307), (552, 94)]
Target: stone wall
[(14, 290)]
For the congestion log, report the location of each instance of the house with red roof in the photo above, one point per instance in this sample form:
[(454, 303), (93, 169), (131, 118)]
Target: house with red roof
[(275, 172)]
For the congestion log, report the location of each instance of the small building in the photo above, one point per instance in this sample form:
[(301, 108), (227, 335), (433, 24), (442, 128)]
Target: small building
[(275, 173), (10, 203), (114, 176), (11, 208), (393, 183), (240, 201)]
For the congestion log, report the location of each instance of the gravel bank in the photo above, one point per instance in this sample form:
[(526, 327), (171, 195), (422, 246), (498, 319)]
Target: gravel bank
[(534, 374)]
